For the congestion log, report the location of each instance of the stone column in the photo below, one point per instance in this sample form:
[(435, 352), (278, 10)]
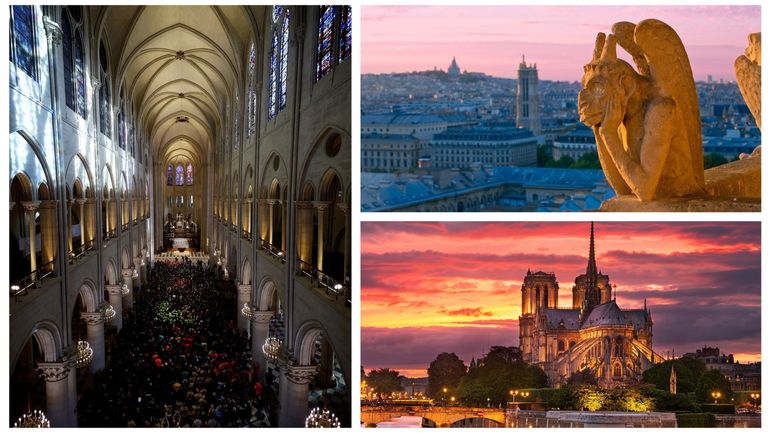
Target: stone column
[(292, 393), (31, 208), (321, 207), (128, 279), (244, 296), (48, 232), (116, 300), (284, 235), (123, 212), (89, 212), (271, 216), (263, 223), (260, 326), (95, 328), (346, 270), (59, 396), (305, 232), (69, 225)]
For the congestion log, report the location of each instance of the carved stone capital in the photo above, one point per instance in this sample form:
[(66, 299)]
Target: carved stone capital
[(52, 31), (262, 317), (95, 83), (127, 273), (244, 289), (31, 206), (321, 205), (114, 290), (53, 371), (300, 374), (92, 318), (304, 205), (48, 204)]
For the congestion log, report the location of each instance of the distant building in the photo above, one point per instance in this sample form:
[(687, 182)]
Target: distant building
[(381, 152), (422, 126), (453, 68), (487, 145), (574, 143), (742, 377), (414, 387), (528, 98), (730, 147)]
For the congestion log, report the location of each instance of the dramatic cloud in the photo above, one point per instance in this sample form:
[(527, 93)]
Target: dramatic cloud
[(459, 284)]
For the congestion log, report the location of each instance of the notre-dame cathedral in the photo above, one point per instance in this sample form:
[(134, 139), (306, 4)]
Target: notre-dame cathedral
[(594, 334)]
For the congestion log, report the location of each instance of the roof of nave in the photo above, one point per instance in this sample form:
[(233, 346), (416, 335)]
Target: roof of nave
[(606, 314), (554, 316), (637, 317)]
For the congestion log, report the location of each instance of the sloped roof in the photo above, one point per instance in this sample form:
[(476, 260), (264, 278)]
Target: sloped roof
[(554, 316), (606, 314), (637, 317)]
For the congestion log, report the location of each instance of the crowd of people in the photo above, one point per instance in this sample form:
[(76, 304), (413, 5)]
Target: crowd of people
[(180, 360)]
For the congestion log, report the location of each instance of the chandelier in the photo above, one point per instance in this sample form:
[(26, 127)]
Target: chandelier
[(321, 418), (108, 312), (124, 289), (272, 348), (34, 419), (84, 354), (135, 274), (247, 311)]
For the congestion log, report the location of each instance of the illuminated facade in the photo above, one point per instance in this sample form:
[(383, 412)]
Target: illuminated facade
[(594, 334)]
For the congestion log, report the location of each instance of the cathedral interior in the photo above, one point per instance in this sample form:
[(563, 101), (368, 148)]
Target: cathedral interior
[(160, 148)]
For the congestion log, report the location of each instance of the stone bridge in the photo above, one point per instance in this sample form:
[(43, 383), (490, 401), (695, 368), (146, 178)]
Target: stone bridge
[(442, 416)]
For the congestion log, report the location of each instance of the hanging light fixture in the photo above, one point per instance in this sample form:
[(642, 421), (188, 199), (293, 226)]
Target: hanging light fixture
[(34, 419), (247, 310), (108, 312), (124, 289), (84, 354), (272, 348), (322, 418)]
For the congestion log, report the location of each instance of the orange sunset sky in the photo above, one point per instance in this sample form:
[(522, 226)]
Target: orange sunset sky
[(456, 287)]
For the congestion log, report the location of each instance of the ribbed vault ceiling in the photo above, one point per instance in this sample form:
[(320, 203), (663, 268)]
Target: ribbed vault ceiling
[(179, 65)]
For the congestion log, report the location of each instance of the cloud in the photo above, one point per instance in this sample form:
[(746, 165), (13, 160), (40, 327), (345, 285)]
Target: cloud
[(470, 312)]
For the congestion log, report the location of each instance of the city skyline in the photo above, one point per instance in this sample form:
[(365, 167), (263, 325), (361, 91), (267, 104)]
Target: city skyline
[(458, 285), (492, 39)]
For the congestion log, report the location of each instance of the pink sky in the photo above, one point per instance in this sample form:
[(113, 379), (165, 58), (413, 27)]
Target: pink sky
[(492, 39), (427, 288)]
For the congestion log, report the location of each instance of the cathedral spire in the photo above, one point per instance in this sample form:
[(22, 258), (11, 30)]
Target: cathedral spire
[(591, 273)]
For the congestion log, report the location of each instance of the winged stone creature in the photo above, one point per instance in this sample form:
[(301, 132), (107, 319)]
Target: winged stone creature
[(748, 71), (646, 120)]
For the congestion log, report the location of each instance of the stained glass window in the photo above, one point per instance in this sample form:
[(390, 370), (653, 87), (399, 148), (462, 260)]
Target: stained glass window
[(251, 95), (24, 39), (179, 175), (334, 38), (189, 174), (279, 62), (69, 88), (325, 41), (346, 33), (170, 175), (80, 75), (122, 130), (104, 93)]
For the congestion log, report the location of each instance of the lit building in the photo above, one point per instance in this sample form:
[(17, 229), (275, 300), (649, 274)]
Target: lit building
[(574, 143), (593, 335), (387, 152), (229, 123), (742, 377), (487, 145)]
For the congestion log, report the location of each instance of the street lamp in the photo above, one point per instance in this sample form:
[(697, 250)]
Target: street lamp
[(513, 393), (487, 401), (453, 400), (445, 390), (754, 400), (716, 395)]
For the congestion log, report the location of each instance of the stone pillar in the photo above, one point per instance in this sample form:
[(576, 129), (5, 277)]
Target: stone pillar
[(271, 219), (292, 393), (128, 280), (116, 300), (260, 326), (305, 232), (321, 207), (262, 215), (284, 235), (31, 208), (123, 212), (69, 225), (244, 296), (95, 328), (88, 209), (48, 231), (138, 275), (59, 396), (346, 270)]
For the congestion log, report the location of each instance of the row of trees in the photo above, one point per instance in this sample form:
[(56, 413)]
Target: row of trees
[(591, 160)]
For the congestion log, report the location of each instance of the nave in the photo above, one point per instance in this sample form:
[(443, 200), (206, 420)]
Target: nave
[(180, 360)]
